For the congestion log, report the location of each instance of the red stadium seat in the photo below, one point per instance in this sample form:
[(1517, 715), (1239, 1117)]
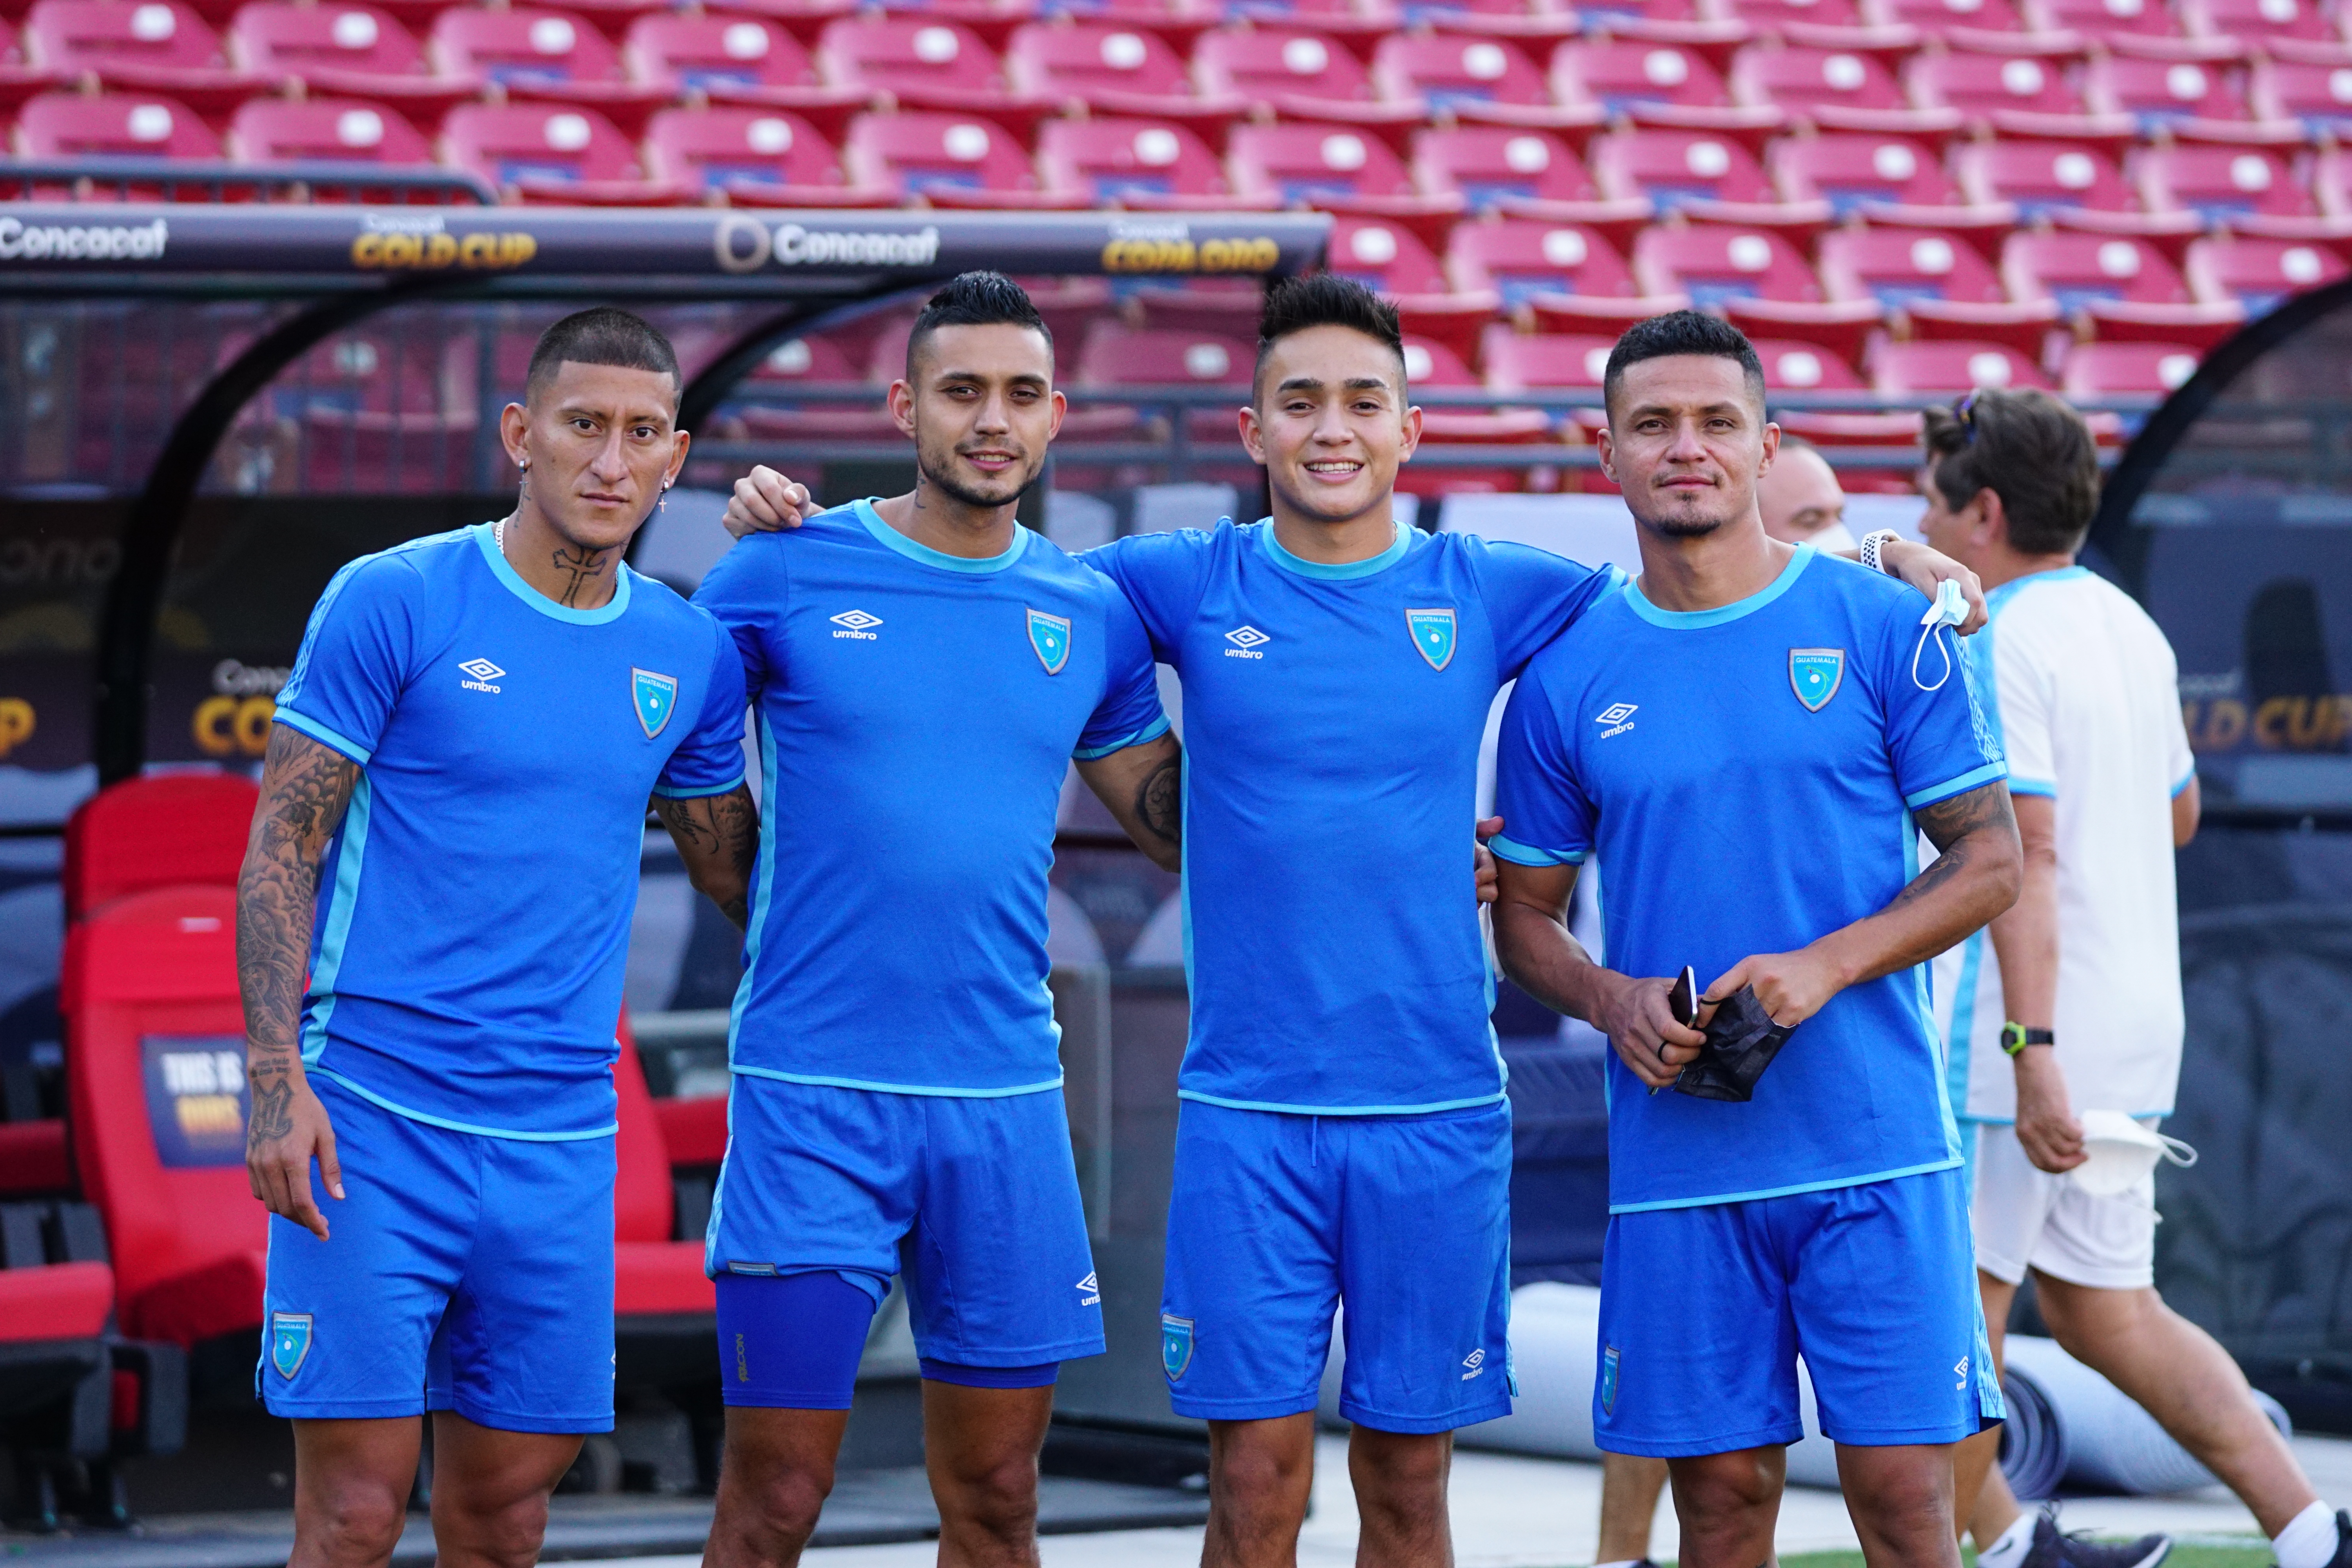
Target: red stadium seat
[(158, 831), (551, 56), (1338, 169), (544, 152), (145, 46), (1179, 22), (948, 160), (1533, 22), (269, 130), (1518, 362), (53, 1301), (757, 157), (2315, 88), (69, 125), (342, 50), (2266, 22), (1115, 354), (2121, 288), (19, 81), (1986, 86), (1778, 15), (1528, 174), (1715, 262), (2104, 370), (2157, 92), (1434, 364), (1117, 72), (2259, 274), (1944, 286), (745, 61), (1523, 261), (2043, 177), (927, 65), (1947, 368), (2218, 183), (1391, 260), (1938, 18), (1358, 22), (654, 1275), (994, 20), (1838, 89), (2105, 19), (1890, 182), (1299, 75), (1143, 163), (1618, 75), (1472, 78), (1705, 175), (1798, 365)]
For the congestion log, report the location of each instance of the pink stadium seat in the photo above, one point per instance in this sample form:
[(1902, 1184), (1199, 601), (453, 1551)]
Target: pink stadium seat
[(19, 81), (548, 56), (1390, 259), (2315, 88), (2104, 370), (1338, 169), (2120, 288), (546, 152), (948, 160), (2259, 274), (1455, 71), (1987, 85), (1523, 261), (1778, 15), (1532, 22), (2159, 92), (1518, 362), (1714, 263), (1879, 177), (2218, 183), (758, 157), (2261, 21), (1357, 23), (1177, 22), (157, 831), (1702, 174), (341, 49), (1299, 75), (143, 45), (747, 60), (2331, 183), (2043, 177), (269, 130), (2106, 19), (927, 65), (1938, 18), (1618, 75), (1531, 171), (1116, 355), (1794, 365), (1117, 72), (69, 125), (1948, 369), (1838, 89), (1897, 268), (994, 20), (1152, 164)]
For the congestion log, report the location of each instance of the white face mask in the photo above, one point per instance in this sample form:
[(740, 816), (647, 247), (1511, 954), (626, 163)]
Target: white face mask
[(2123, 1153)]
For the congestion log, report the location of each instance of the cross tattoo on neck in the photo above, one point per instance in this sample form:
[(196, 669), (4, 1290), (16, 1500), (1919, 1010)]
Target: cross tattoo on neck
[(583, 564)]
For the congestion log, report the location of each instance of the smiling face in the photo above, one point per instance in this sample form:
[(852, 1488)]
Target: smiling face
[(602, 443), (980, 404), (1687, 442), (1330, 422)]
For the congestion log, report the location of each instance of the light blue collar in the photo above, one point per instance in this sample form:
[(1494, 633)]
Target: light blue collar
[(924, 553), (2000, 597), (485, 534), (1341, 572), (1691, 620)]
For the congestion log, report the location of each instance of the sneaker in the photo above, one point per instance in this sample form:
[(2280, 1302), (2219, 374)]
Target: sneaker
[(2053, 1550), (2343, 1558)]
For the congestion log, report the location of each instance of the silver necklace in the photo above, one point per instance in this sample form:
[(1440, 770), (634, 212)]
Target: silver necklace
[(499, 535)]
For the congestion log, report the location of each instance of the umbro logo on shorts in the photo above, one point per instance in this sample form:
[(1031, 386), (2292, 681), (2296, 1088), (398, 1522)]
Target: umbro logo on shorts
[(1246, 641), (1476, 1362), (479, 673), (1089, 1293), (1961, 1367), (856, 626)]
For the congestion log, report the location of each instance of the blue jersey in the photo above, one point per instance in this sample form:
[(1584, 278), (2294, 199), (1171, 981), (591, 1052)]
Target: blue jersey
[(1333, 715), (1747, 776), (916, 714), (473, 909)]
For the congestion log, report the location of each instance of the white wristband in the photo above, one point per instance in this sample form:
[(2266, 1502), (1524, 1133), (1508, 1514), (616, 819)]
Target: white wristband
[(1873, 545)]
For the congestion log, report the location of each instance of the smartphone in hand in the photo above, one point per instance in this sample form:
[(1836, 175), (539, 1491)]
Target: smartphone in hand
[(1683, 1003)]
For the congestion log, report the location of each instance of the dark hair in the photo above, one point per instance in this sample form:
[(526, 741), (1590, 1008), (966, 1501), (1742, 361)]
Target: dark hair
[(605, 335), (1327, 300), (2028, 449), (1682, 333), (976, 300)]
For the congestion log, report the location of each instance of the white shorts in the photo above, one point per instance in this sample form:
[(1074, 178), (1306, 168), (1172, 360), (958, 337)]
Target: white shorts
[(2025, 1217)]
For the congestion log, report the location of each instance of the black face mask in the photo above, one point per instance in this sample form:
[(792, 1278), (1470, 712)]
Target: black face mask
[(1741, 1041)]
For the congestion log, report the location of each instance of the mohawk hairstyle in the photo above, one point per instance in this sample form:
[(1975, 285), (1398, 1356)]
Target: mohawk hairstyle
[(605, 335), (1682, 333), (1326, 299), (975, 300)]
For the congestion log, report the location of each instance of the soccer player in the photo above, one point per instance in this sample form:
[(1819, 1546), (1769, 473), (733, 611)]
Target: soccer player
[(2072, 1000), (462, 758), (923, 671), (1749, 736), (1801, 499), (1344, 1132)]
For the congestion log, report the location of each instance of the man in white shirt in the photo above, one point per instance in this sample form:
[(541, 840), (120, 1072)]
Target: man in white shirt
[(2071, 1002), (1802, 500)]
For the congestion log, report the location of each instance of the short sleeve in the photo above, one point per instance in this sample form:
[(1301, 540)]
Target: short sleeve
[(2179, 760), (2022, 707), (1547, 818), (1130, 711), (1532, 596), (1938, 734), (709, 759), (746, 590), (355, 657), (1163, 576)]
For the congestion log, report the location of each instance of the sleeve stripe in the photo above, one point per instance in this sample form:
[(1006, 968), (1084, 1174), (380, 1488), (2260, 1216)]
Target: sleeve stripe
[(1150, 732), (2033, 787), (1519, 854), (2186, 780), (1985, 774), (672, 793), (324, 736)]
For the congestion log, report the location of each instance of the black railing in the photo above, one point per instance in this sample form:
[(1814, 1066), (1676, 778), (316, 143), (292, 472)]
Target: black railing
[(129, 178)]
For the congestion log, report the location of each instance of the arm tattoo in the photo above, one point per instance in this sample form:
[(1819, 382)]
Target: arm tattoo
[(717, 833), (305, 787), (582, 566), (1949, 826), (1160, 800)]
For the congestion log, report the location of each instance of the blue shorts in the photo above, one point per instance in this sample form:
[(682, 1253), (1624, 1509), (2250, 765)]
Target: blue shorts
[(1276, 1217), (462, 1272), (974, 1200), (1703, 1311)]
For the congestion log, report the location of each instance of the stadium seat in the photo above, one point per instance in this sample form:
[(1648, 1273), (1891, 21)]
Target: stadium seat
[(157, 831), (1889, 182), (72, 125), (1798, 365), (1520, 362), (1391, 260), (995, 21), (1930, 369), (1521, 261), (948, 160), (1938, 18), (2107, 20), (2220, 184), (2159, 92), (544, 152), (344, 50), (1300, 75), (144, 46), (2259, 273), (2043, 177), (2119, 288), (18, 81), (1522, 174), (1715, 262), (1836, 90), (756, 157), (1117, 72), (1358, 22), (749, 61), (1533, 23), (532, 53), (1990, 87), (1478, 80), (1116, 355), (657, 1276), (1178, 22), (2104, 370), (933, 65), (1707, 176), (1149, 164), (1944, 286), (2261, 22), (270, 130), (2313, 89), (1618, 75), (1778, 16), (1338, 169)]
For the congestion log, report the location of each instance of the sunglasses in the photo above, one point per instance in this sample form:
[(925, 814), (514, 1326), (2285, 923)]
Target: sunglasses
[(1965, 411)]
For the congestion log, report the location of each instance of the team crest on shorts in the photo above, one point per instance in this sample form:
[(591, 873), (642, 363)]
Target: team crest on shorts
[(1050, 636), (655, 696), (289, 1342), (1175, 1345), (1432, 634), (1815, 674), (1609, 1382)]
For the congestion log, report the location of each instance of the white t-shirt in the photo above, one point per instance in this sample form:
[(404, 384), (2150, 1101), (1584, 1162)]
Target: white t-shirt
[(2087, 699)]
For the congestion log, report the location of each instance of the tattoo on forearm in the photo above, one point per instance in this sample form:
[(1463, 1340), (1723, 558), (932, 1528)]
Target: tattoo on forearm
[(1160, 801), (718, 833), (1949, 826), (582, 567), (305, 787)]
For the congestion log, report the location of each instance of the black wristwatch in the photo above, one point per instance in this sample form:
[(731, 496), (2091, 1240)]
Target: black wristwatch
[(2015, 1038)]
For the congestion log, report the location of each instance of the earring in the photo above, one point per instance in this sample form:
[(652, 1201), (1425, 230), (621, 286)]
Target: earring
[(525, 464)]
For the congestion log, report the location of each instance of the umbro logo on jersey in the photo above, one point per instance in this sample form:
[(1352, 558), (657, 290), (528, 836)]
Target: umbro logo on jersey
[(856, 626), (1476, 1362), (1089, 1293), (1246, 641), (1616, 718), (479, 672)]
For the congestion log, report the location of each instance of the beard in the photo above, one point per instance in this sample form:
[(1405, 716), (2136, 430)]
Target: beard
[(1682, 526), (938, 467)]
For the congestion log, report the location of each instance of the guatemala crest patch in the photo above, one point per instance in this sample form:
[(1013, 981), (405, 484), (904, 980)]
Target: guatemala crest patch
[(655, 696), (1609, 1382), (289, 1342), (1175, 1345), (1814, 675), (1432, 634), (1050, 636)]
